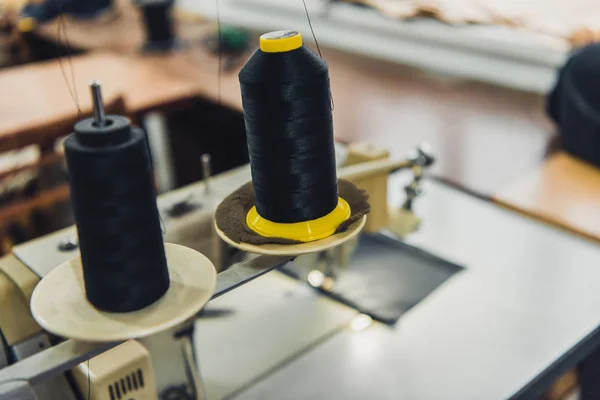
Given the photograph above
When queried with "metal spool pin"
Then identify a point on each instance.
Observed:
(98, 104)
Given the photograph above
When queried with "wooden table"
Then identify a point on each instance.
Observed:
(562, 191)
(36, 101)
(484, 136)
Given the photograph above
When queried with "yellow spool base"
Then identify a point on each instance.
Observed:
(308, 231)
(289, 250)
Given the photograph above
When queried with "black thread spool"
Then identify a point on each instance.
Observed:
(114, 202)
(289, 127)
(158, 23)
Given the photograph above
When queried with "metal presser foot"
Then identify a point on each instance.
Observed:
(404, 221)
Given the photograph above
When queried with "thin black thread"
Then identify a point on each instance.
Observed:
(311, 28)
(220, 51)
(317, 43)
(89, 381)
(62, 30)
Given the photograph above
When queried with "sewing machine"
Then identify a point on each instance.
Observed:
(163, 366)
(522, 312)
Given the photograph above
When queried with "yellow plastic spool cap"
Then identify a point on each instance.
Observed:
(280, 41)
(26, 24)
(308, 231)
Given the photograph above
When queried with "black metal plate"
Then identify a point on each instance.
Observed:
(385, 277)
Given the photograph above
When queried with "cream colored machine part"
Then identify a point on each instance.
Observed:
(376, 185)
(23, 336)
(16, 285)
(124, 372)
(22, 277)
(402, 222)
(67, 312)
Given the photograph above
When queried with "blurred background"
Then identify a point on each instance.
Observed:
(469, 76)
(507, 93)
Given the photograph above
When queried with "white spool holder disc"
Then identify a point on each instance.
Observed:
(301, 248)
(60, 306)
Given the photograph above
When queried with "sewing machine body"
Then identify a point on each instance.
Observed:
(477, 336)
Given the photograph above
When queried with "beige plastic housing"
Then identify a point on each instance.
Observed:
(122, 373)
(375, 184)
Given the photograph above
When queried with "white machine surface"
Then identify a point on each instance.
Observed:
(503, 56)
(522, 312)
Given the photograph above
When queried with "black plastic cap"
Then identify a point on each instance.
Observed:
(115, 130)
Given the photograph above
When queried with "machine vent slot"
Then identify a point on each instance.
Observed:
(116, 385)
(123, 389)
(135, 382)
(140, 377)
(111, 392)
(129, 383)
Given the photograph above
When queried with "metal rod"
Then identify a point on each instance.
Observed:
(52, 362)
(206, 172)
(98, 105)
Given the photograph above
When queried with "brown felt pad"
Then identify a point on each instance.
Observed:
(231, 213)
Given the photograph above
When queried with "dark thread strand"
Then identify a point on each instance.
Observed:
(114, 203)
(62, 31)
(289, 128)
